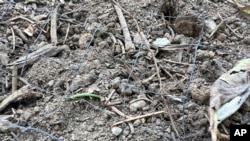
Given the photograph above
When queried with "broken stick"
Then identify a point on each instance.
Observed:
(129, 46)
(138, 117)
(53, 27)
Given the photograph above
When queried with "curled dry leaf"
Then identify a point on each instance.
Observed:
(29, 30)
(228, 93)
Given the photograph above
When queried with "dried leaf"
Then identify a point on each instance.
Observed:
(228, 93)
(231, 107)
(29, 30)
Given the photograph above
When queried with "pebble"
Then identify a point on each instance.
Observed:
(116, 131)
(210, 25)
(246, 41)
(137, 105)
(221, 37)
(202, 54)
(100, 122)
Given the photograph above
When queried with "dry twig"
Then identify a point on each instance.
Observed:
(15, 18)
(138, 117)
(53, 27)
(128, 41)
(14, 79)
(48, 50)
(21, 93)
(174, 62)
(14, 40)
(67, 33)
(119, 112)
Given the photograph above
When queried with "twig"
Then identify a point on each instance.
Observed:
(14, 39)
(53, 27)
(67, 33)
(110, 95)
(238, 36)
(217, 27)
(14, 79)
(20, 33)
(25, 81)
(131, 127)
(173, 136)
(47, 50)
(139, 99)
(15, 18)
(113, 44)
(22, 92)
(128, 41)
(168, 73)
(174, 62)
(172, 47)
(171, 119)
(122, 46)
(138, 117)
(148, 79)
(113, 103)
(73, 11)
(119, 112)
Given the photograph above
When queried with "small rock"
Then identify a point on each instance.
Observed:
(25, 116)
(84, 39)
(93, 88)
(202, 54)
(234, 39)
(37, 109)
(116, 82)
(246, 41)
(100, 122)
(128, 91)
(90, 128)
(74, 137)
(200, 94)
(158, 121)
(116, 131)
(210, 25)
(221, 37)
(137, 122)
(161, 42)
(137, 105)
(51, 83)
(125, 90)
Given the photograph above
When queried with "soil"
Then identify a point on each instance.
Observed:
(95, 62)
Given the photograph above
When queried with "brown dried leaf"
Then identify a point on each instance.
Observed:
(230, 85)
(227, 87)
(29, 30)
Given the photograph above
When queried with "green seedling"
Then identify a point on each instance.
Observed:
(81, 95)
